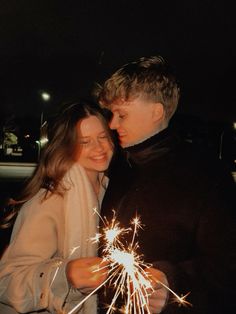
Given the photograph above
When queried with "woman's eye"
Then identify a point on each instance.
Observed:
(84, 142)
(103, 136)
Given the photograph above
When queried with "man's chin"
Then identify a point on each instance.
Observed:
(122, 143)
(126, 145)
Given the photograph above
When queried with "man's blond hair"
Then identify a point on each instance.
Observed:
(150, 78)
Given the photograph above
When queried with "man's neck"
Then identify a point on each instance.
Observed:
(158, 130)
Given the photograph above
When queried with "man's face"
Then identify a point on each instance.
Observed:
(133, 120)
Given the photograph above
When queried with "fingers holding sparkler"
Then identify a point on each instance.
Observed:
(159, 295)
(86, 274)
(158, 299)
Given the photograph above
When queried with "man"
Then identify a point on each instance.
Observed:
(184, 197)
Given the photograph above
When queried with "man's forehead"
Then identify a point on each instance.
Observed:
(121, 103)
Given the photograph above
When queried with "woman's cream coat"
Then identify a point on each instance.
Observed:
(46, 235)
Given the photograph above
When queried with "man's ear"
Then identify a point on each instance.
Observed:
(158, 112)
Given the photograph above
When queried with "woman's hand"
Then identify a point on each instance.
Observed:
(158, 299)
(87, 273)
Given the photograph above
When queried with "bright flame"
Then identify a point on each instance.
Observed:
(126, 271)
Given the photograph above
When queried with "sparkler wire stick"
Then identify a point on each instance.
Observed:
(89, 295)
(58, 264)
(55, 274)
(179, 299)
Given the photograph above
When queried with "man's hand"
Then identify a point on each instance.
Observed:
(159, 297)
(86, 274)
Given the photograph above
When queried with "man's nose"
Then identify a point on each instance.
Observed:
(114, 123)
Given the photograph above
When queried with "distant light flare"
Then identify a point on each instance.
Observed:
(45, 96)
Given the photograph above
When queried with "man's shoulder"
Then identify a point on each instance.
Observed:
(203, 161)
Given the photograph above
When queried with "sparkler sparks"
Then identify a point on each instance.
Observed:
(127, 275)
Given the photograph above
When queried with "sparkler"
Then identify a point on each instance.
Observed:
(127, 273)
(126, 267)
(58, 264)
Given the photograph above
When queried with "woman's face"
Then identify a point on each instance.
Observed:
(95, 148)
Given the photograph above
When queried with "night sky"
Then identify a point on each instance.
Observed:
(63, 47)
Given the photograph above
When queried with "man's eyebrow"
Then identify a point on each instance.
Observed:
(118, 109)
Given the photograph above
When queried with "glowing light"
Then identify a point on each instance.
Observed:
(43, 140)
(45, 96)
(127, 275)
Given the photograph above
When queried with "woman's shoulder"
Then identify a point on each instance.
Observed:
(43, 203)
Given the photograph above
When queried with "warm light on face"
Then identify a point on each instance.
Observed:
(135, 120)
(95, 149)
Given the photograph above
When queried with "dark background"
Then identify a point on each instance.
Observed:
(63, 47)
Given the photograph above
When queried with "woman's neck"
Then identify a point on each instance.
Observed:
(94, 180)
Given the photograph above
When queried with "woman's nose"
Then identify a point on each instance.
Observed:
(98, 145)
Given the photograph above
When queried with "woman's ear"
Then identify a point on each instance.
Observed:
(158, 112)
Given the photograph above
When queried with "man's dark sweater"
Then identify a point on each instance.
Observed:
(186, 201)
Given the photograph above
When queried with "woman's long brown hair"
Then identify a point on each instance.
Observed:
(58, 155)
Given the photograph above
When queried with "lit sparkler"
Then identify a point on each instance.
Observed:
(126, 267)
(127, 273)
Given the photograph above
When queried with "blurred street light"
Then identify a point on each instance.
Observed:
(45, 97)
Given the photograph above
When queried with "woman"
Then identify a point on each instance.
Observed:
(51, 264)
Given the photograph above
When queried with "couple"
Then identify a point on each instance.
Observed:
(185, 202)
